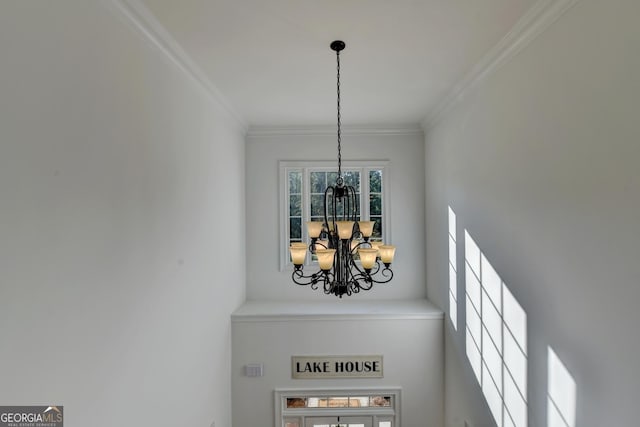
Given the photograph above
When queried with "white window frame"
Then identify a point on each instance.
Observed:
(389, 413)
(306, 167)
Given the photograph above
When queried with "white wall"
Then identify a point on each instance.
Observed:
(404, 150)
(121, 226)
(540, 163)
(411, 347)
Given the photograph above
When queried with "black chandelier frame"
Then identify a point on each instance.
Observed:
(345, 277)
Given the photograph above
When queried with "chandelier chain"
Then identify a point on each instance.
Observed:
(339, 123)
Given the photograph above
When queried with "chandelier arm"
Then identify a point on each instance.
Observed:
(356, 203)
(363, 281)
(312, 280)
(328, 282)
(342, 268)
(354, 249)
(387, 273)
(376, 268)
(358, 275)
(372, 276)
(329, 194)
(317, 243)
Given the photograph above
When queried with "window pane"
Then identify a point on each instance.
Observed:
(377, 227)
(352, 178)
(338, 402)
(375, 204)
(380, 401)
(357, 204)
(318, 181)
(296, 402)
(358, 402)
(295, 205)
(295, 227)
(317, 205)
(331, 178)
(295, 182)
(375, 181)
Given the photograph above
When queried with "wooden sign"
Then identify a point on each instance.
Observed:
(318, 367)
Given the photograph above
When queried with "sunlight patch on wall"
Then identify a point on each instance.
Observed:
(453, 271)
(561, 397)
(496, 339)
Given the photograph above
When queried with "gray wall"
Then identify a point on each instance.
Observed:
(410, 345)
(121, 226)
(540, 163)
(405, 152)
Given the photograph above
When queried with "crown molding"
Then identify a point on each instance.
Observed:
(137, 14)
(528, 28)
(269, 131)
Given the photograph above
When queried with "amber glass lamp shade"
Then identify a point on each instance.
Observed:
(345, 229)
(314, 228)
(366, 228)
(325, 258)
(387, 253)
(367, 257)
(298, 253)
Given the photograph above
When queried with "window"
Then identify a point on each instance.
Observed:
(339, 408)
(302, 198)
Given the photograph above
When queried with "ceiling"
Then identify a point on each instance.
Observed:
(272, 62)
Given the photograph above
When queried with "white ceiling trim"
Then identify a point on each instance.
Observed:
(334, 317)
(531, 25)
(149, 27)
(401, 129)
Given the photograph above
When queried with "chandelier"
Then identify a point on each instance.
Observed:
(340, 240)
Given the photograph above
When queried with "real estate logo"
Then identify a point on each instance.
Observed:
(31, 416)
